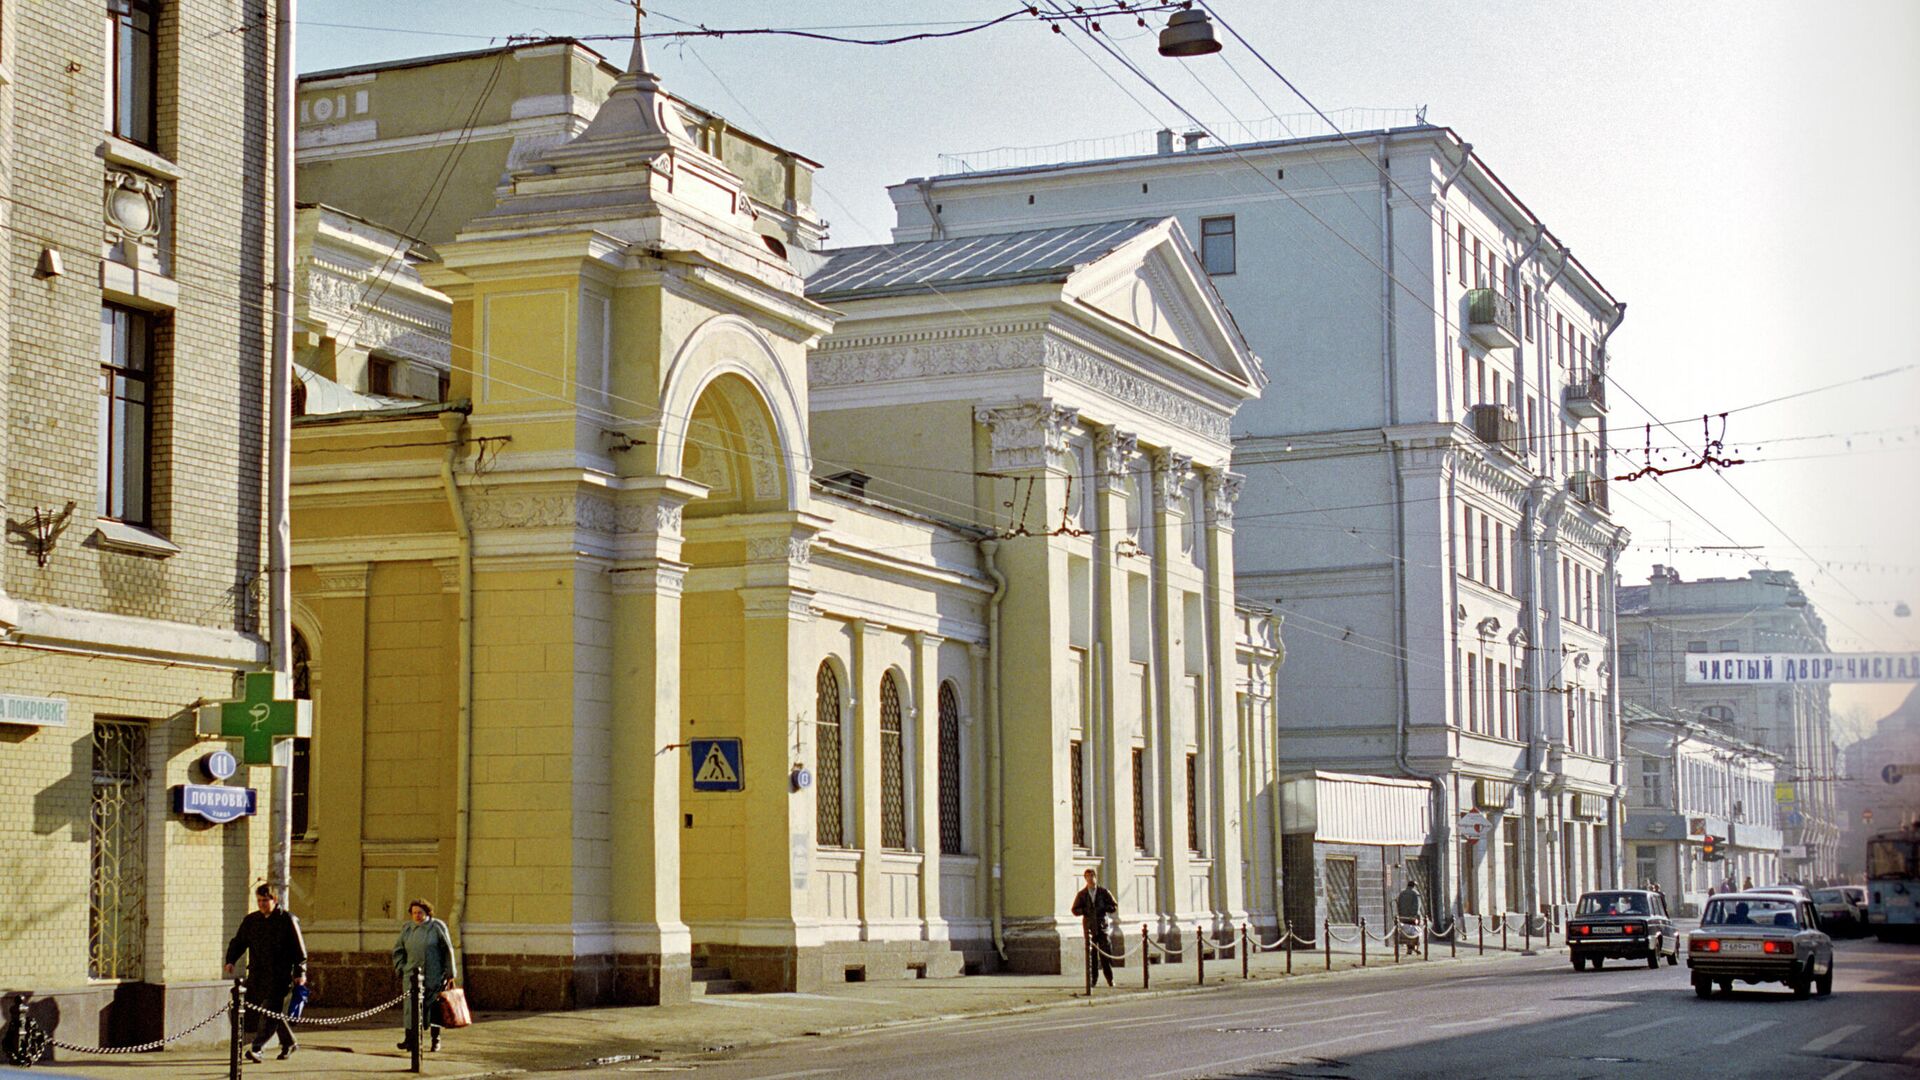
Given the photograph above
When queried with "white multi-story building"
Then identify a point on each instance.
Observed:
(1688, 782)
(1423, 498)
(1766, 611)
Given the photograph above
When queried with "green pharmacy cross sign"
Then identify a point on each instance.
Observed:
(260, 719)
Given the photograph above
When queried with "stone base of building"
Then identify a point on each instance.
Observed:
(125, 1014)
(515, 982)
(777, 968)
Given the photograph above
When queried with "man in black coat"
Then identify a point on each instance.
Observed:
(1097, 909)
(276, 963)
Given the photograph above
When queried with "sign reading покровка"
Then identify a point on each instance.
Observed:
(1751, 668)
(36, 711)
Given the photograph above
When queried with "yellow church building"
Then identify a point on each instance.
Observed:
(756, 610)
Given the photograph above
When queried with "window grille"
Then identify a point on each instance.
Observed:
(1193, 803)
(117, 894)
(302, 748)
(893, 780)
(950, 835)
(1077, 769)
(1343, 890)
(829, 822)
(1139, 799)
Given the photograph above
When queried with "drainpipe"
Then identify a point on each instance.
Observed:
(996, 887)
(1278, 832)
(455, 425)
(280, 425)
(1466, 155)
(1566, 260)
(1530, 603)
(1615, 842)
(935, 230)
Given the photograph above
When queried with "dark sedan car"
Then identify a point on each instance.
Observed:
(1760, 937)
(1621, 924)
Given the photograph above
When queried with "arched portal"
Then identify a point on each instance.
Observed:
(732, 447)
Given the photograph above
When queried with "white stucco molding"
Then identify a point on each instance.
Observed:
(731, 344)
(68, 629)
(1027, 434)
(1222, 492)
(1172, 471)
(1113, 454)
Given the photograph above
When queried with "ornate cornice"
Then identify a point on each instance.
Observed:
(344, 580)
(911, 358)
(1071, 361)
(792, 550)
(555, 510)
(1027, 435)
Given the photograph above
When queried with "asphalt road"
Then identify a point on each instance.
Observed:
(1527, 1017)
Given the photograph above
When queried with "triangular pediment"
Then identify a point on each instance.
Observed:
(1155, 286)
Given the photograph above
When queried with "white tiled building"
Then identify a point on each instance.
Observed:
(1423, 498)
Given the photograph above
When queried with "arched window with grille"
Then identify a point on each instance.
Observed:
(951, 840)
(829, 816)
(893, 772)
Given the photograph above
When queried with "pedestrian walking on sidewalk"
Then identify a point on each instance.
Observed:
(276, 963)
(1411, 912)
(1098, 910)
(424, 945)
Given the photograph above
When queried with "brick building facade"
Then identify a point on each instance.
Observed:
(135, 215)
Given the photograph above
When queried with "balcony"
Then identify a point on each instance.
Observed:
(1586, 397)
(1589, 489)
(1497, 426)
(1492, 320)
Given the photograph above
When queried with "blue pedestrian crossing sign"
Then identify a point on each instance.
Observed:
(716, 765)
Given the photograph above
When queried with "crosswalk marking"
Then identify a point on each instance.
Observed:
(1913, 1052)
(1737, 1034)
(1831, 1037)
(1648, 1026)
(1842, 1071)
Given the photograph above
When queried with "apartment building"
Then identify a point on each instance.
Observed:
(1424, 501)
(1690, 784)
(1766, 611)
(135, 207)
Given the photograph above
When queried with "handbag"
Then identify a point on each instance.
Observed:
(453, 1008)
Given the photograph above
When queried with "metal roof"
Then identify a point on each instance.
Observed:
(968, 262)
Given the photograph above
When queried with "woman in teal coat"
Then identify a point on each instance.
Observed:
(426, 946)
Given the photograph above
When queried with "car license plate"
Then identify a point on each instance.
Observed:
(1606, 930)
(1740, 947)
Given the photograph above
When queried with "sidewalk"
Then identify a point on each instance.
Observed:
(498, 1043)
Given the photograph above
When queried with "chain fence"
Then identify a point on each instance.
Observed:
(26, 1043)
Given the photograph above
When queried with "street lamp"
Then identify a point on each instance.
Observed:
(1188, 33)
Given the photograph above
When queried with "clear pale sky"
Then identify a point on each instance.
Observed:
(1742, 174)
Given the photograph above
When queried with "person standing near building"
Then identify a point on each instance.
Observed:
(1412, 914)
(276, 963)
(426, 946)
(1097, 909)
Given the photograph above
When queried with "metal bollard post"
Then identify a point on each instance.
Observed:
(1453, 940)
(1526, 935)
(1199, 955)
(1396, 940)
(1504, 926)
(1087, 937)
(1481, 922)
(417, 991)
(1146, 959)
(1286, 938)
(1326, 941)
(236, 1026)
(1363, 943)
(1246, 952)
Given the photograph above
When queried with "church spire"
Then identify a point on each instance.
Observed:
(637, 108)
